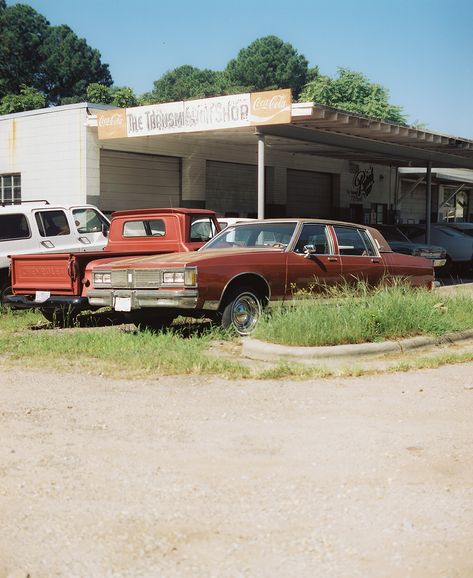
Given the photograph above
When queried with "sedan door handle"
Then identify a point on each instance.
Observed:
(375, 261)
(332, 259)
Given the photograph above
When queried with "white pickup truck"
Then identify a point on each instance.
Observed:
(38, 227)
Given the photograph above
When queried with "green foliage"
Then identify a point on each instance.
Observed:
(22, 33)
(353, 92)
(50, 59)
(359, 314)
(268, 63)
(118, 96)
(99, 93)
(69, 65)
(28, 99)
(123, 96)
(185, 82)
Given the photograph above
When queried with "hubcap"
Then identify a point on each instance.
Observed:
(245, 314)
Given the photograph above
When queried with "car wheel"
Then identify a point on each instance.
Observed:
(241, 310)
(151, 320)
(61, 316)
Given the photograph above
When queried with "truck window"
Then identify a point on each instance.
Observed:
(202, 229)
(14, 227)
(144, 228)
(52, 223)
(88, 221)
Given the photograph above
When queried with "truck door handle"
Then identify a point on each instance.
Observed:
(47, 244)
(84, 240)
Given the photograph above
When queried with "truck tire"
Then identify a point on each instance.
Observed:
(5, 287)
(151, 320)
(241, 310)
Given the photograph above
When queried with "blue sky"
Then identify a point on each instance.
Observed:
(420, 50)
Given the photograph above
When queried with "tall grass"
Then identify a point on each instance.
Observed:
(357, 314)
(111, 350)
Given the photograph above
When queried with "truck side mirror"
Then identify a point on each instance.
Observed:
(105, 229)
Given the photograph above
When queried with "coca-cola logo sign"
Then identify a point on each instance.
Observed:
(112, 120)
(275, 102)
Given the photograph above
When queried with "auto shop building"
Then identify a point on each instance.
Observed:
(240, 155)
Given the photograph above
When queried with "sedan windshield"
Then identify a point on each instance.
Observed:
(260, 235)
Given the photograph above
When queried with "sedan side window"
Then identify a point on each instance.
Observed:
(314, 234)
(352, 241)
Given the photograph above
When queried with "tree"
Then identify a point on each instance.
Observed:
(28, 99)
(69, 65)
(120, 96)
(186, 82)
(268, 63)
(353, 92)
(22, 33)
(51, 59)
(99, 93)
(123, 96)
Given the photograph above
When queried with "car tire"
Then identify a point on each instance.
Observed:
(241, 310)
(151, 320)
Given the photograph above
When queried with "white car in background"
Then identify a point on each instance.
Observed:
(38, 227)
(225, 222)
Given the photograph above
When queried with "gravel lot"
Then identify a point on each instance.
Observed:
(188, 477)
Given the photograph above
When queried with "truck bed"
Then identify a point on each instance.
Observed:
(58, 273)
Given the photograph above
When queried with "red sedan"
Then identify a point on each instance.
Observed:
(246, 267)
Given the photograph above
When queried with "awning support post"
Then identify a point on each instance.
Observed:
(428, 201)
(260, 175)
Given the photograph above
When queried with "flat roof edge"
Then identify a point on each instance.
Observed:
(55, 109)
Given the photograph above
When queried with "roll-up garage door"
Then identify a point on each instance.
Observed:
(309, 194)
(232, 188)
(136, 181)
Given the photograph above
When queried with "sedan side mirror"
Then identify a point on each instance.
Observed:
(309, 250)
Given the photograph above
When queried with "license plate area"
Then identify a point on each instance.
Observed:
(122, 303)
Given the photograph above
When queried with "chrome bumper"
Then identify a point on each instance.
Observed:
(142, 298)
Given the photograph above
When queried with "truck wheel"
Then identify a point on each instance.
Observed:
(151, 320)
(5, 290)
(61, 316)
(241, 310)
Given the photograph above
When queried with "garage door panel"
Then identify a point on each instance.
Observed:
(309, 194)
(132, 180)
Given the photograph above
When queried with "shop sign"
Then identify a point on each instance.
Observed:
(232, 111)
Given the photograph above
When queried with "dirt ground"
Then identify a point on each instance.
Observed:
(188, 477)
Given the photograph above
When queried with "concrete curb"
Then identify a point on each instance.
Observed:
(263, 351)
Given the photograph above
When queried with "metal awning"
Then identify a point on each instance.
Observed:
(442, 175)
(323, 131)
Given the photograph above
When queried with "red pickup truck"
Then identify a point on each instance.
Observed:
(55, 283)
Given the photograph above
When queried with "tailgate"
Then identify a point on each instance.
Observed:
(56, 272)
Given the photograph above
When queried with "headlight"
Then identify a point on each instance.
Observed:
(186, 277)
(103, 278)
(172, 277)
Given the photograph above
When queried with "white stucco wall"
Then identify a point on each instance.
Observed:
(49, 149)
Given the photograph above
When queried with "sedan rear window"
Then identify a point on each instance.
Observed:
(14, 227)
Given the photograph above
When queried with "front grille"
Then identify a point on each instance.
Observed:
(136, 278)
(119, 278)
(146, 278)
